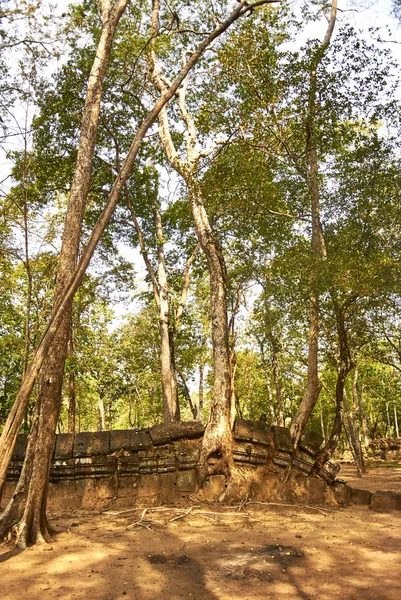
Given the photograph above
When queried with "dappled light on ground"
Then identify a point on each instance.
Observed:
(281, 552)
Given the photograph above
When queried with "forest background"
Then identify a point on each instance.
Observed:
(265, 105)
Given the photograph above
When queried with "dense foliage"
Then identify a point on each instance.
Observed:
(249, 96)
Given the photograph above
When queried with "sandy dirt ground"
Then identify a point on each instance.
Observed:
(377, 479)
(253, 552)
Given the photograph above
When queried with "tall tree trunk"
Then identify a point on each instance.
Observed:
(27, 531)
(353, 438)
(171, 407)
(235, 405)
(273, 415)
(318, 246)
(72, 403)
(277, 379)
(322, 428)
(201, 376)
(344, 367)
(217, 440)
(357, 394)
(192, 406)
(33, 524)
(388, 431)
(397, 431)
(168, 331)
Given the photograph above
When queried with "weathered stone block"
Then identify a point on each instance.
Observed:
(166, 464)
(62, 469)
(186, 453)
(361, 497)
(282, 439)
(303, 461)
(64, 446)
(342, 492)
(242, 452)
(83, 467)
(243, 430)
(386, 501)
(163, 450)
(160, 434)
(120, 440)
(311, 443)
(261, 433)
(190, 430)
(20, 447)
(140, 439)
(328, 471)
(187, 481)
(91, 443)
(281, 459)
(259, 455)
(128, 465)
(14, 470)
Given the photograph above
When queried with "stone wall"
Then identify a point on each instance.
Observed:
(158, 465)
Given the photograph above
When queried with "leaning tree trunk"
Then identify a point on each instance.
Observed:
(33, 524)
(11, 428)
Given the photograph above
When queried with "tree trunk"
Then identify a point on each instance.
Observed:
(33, 524)
(201, 375)
(72, 404)
(318, 246)
(102, 414)
(353, 438)
(273, 416)
(171, 407)
(397, 431)
(357, 393)
(192, 406)
(277, 379)
(216, 451)
(322, 429)
(345, 366)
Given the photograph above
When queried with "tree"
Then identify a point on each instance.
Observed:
(34, 524)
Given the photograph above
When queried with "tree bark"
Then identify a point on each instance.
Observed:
(216, 451)
(201, 376)
(217, 440)
(171, 407)
(33, 523)
(273, 416)
(10, 431)
(357, 393)
(344, 367)
(318, 245)
(277, 379)
(72, 404)
(353, 438)
(397, 431)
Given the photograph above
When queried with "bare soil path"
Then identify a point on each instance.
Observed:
(253, 552)
(385, 479)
